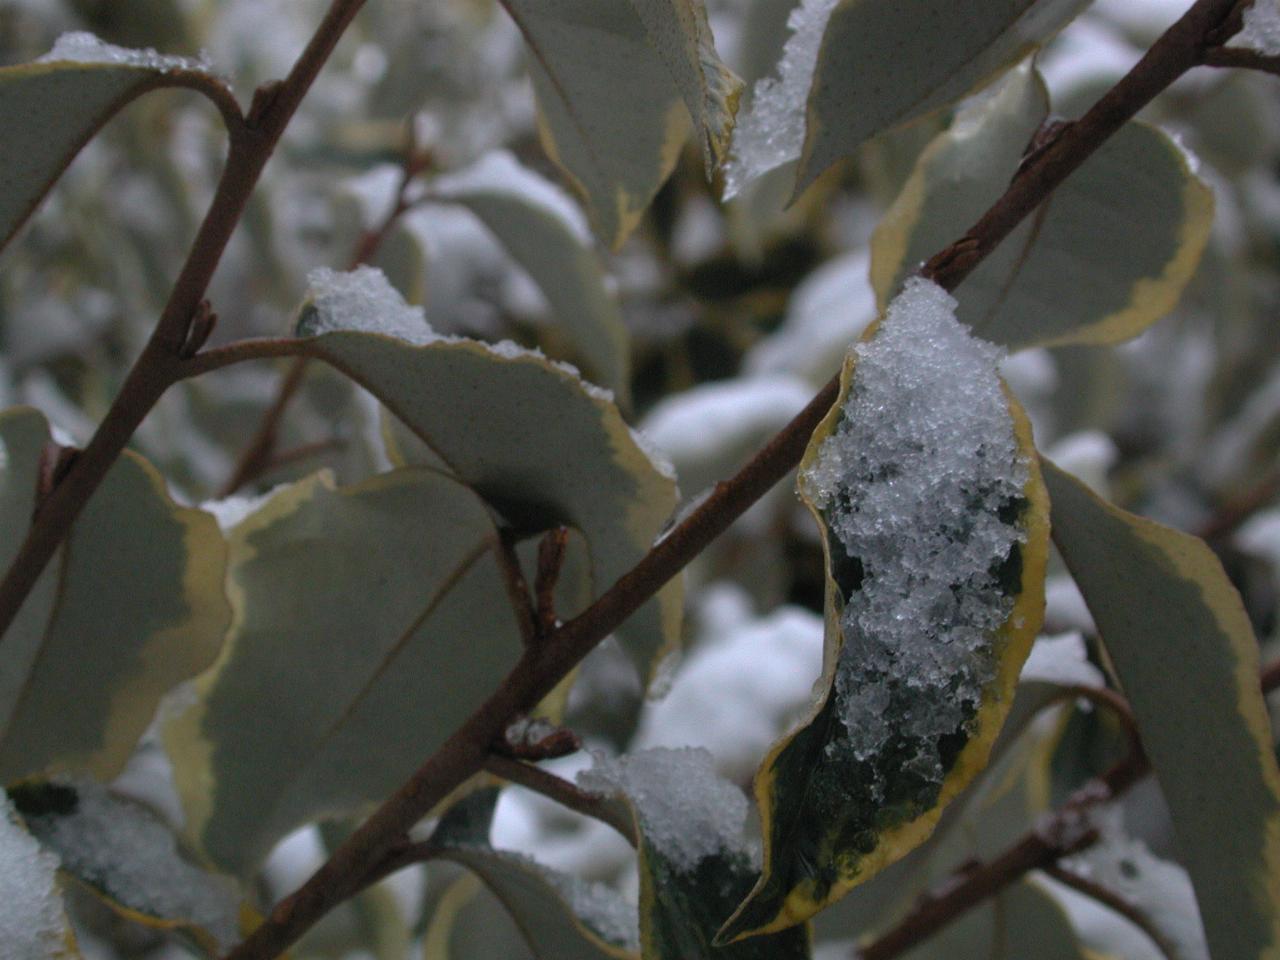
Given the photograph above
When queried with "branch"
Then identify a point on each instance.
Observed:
(1113, 901)
(159, 364)
(564, 793)
(539, 669)
(1241, 58)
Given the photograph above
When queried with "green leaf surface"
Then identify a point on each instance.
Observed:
(537, 444)
(50, 110)
(885, 62)
(33, 921)
(695, 865)
(543, 231)
(130, 859)
(1185, 654)
(561, 917)
(128, 609)
(680, 32)
(609, 113)
(370, 621)
(1105, 257)
(837, 807)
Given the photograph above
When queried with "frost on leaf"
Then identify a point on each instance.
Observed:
(83, 47)
(32, 923)
(128, 854)
(362, 300)
(919, 485)
(772, 131)
(934, 522)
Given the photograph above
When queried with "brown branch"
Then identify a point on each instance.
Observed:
(541, 668)
(1113, 901)
(256, 457)
(1241, 58)
(517, 587)
(566, 794)
(159, 364)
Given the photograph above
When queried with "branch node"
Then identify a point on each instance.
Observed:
(55, 463)
(551, 551)
(264, 98)
(534, 739)
(202, 325)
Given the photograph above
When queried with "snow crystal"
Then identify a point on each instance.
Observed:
(132, 854)
(600, 907)
(657, 456)
(500, 172)
(364, 300)
(772, 132)
(686, 810)
(915, 484)
(1062, 660)
(31, 917)
(83, 47)
(1261, 31)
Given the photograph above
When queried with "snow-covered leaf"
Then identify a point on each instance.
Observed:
(543, 230)
(1105, 257)
(130, 858)
(1185, 654)
(854, 68)
(97, 643)
(49, 110)
(695, 864)
(539, 444)
(935, 529)
(610, 113)
(33, 922)
(370, 613)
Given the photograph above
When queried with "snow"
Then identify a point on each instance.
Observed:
(912, 483)
(600, 906)
(1062, 660)
(772, 132)
(687, 812)
(230, 512)
(745, 682)
(1261, 31)
(1087, 454)
(31, 919)
(363, 300)
(828, 311)
(132, 854)
(83, 47)
(499, 172)
(1064, 606)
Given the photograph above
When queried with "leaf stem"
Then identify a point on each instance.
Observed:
(538, 671)
(159, 365)
(563, 792)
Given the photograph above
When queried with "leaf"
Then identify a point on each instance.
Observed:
(885, 62)
(541, 446)
(1184, 651)
(129, 608)
(373, 614)
(609, 114)
(50, 109)
(694, 864)
(544, 232)
(934, 521)
(33, 922)
(560, 916)
(1105, 257)
(129, 858)
(680, 32)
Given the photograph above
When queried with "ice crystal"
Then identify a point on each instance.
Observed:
(364, 300)
(687, 811)
(1261, 30)
(83, 47)
(31, 917)
(772, 132)
(917, 484)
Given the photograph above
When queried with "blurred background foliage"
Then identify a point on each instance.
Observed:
(736, 314)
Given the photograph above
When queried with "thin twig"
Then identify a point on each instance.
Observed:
(541, 668)
(517, 587)
(1113, 901)
(159, 364)
(563, 792)
(1241, 58)
(257, 454)
(551, 550)
(1236, 512)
